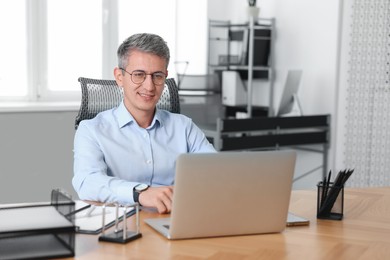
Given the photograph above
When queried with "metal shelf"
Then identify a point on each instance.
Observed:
(221, 35)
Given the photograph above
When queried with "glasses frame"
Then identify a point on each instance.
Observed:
(146, 74)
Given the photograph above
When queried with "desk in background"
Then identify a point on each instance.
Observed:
(265, 133)
(364, 233)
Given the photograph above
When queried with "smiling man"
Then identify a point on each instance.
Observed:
(128, 154)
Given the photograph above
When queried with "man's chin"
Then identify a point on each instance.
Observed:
(147, 106)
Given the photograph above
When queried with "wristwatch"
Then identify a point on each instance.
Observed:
(138, 189)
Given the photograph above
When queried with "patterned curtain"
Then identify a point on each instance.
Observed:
(366, 119)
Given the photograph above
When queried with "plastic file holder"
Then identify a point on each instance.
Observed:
(38, 231)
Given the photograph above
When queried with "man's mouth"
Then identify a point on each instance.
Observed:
(146, 95)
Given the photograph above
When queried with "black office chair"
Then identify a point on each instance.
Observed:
(99, 95)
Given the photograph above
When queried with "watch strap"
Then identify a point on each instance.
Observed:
(136, 196)
(137, 192)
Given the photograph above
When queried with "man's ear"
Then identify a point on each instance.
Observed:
(118, 76)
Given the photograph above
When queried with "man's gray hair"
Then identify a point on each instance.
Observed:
(145, 42)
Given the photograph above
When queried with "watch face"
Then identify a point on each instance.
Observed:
(141, 187)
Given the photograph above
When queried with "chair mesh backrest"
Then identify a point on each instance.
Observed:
(98, 95)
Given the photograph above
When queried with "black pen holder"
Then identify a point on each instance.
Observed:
(330, 201)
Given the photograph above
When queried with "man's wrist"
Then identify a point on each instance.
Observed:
(137, 191)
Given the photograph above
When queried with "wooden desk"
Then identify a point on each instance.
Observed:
(364, 233)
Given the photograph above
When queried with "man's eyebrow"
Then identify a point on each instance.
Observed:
(158, 71)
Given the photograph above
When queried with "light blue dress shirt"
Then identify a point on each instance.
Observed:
(112, 153)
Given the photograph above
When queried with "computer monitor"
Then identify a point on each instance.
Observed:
(290, 91)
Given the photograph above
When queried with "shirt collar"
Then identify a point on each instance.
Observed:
(124, 117)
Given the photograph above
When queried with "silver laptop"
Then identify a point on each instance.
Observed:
(229, 193)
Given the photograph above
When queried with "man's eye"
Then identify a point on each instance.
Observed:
(158, 76)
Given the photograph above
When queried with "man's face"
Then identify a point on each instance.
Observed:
(141, 97)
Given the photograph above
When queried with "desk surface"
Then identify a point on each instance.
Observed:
(364, 233)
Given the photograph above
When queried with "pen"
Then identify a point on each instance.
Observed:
(328, 183)
(89, 212)
(77, 210)
(325, 188)
(347, 175)
(323, 191)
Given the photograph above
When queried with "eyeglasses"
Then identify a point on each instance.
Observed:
(139, 76)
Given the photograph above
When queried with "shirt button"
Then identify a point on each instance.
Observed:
(149, 161)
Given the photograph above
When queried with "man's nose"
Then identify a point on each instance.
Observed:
(148, 83)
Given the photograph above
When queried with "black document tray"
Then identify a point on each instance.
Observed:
(37, 231)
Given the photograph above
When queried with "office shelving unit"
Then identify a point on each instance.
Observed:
(245, 48)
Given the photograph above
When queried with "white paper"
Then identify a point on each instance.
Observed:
(31, 218)
(90, 219)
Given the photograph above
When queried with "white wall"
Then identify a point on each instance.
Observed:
(36, 155)
(191, 39)
(306, 39)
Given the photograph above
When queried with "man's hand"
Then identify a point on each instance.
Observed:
(157, 197)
